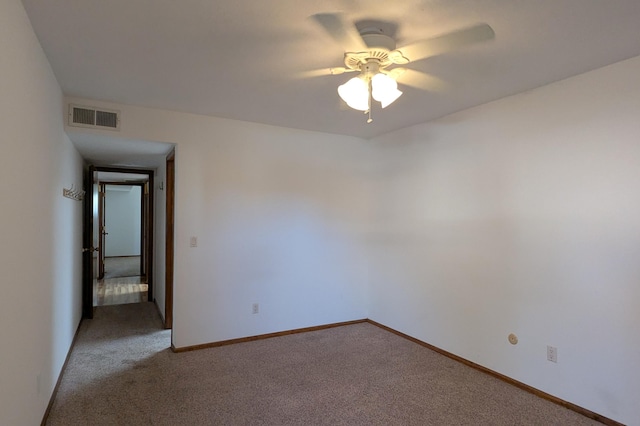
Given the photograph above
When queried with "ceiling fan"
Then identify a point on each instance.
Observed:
(373, 55)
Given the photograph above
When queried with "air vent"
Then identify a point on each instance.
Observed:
(84, 116)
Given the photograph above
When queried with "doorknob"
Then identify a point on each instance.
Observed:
(84, 249)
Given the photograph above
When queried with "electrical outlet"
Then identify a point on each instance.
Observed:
(552, 354)
(193, 241)
(255, 308)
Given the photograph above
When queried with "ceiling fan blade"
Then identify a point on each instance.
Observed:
(447, 42)
(341, 30)
(418, 79)
(323, 72)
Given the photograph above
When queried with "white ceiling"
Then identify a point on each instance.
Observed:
(119, 177)
(103, 150)
(242, 59)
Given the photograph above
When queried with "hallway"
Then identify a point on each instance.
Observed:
(120, 290)
(120, 285)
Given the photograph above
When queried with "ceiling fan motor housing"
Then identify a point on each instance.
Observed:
(378, 40)
(379, 46)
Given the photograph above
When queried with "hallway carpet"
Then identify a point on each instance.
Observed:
(121, 266)
(122, 372)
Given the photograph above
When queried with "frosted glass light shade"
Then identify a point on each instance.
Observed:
(384, 89)
(355, 93)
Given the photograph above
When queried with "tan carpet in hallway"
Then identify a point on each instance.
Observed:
(121, 266)
(122, 372)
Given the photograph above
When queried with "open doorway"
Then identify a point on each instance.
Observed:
(120, 215)
(122, 203)
(122, 227)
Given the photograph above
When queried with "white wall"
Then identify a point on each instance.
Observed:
(159, 241)
(40, 247)
(523, 215)
(280, 216)
(123, 220)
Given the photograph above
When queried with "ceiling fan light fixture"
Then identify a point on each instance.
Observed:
(371, 50)
(355, 93)
(384, 89)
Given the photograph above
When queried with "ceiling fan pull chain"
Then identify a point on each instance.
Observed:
(369, 120)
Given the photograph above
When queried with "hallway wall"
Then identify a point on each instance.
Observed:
(159, 240)
(41, 231)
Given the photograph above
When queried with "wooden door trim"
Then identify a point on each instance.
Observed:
(150, 228)
(143, 230)
(143, 219)
(149, 217)
(87, 237)
(102, 199)
(169, 238)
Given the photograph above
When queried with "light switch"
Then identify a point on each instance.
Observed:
(193, 242)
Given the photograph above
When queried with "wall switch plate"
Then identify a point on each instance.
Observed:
(552, 354)
(255, 308)
(193, 242)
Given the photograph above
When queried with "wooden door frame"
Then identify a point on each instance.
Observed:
(102, 200)
(87, 291)
(146, 217)
(143, 219)
(169, 238)
(87, 244)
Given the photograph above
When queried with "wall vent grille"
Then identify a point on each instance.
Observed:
(85, 116)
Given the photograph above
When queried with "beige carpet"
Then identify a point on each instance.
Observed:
(121, 266)
(121, 372)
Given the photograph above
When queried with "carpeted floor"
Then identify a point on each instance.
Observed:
(121, 372)
(121, 266)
